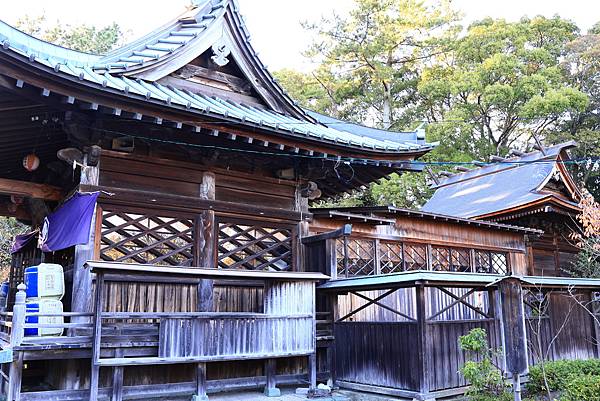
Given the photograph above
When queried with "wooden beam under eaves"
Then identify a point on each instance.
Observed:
(30, 189)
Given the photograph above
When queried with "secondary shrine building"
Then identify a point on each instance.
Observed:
(172, 250)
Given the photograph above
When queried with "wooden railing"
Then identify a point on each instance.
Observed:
(285, 328)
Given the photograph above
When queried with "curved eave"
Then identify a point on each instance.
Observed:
(548, 199)
(215, 21)
(11, 37)
(40, 76)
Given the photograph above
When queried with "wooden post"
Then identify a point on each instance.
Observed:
(331, 351)
(201, 386)
(272, 306)
(82, 277)
(422, 351)
(595, 315)
(377, 257)
(312, 359)
(117, 389)
(95, 368)
(331, 258)
(205, 243)
(16, 338)
(515, 337)
(271, 389)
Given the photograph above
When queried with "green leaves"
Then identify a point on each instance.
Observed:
(83, 37)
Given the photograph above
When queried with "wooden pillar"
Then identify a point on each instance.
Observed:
(331, 351)
(595, 314)
(117, 381)
(331, 258)
(312, 359)
(201, 386)
(423, 342)
(515, 337)
(377, 257)
(82, 277)
(16, 338)
(97, 333)
(271, 389)
(273, 305)
(205, 243)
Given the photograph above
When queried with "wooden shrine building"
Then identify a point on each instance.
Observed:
(405, 285)
(532, 190)
(171, 178)
(203, 168)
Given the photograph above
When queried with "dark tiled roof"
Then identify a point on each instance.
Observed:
(117, 71)
(496, 187)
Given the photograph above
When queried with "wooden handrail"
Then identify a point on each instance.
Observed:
(341, 232)
(140, 270)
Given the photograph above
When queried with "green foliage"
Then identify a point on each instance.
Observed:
(9, 227)
(405, 190)
(582, 388)
(559, 374)
(501, 84)
(487, 381)
(305, 89)
(587, 261)
(82, 37)
(370, 60)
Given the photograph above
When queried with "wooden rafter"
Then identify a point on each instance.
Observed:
(30, 189)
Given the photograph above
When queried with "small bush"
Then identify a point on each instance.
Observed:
(559, 374)
(487, 381)
(582, 388)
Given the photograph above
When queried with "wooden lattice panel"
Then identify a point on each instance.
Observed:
(490, 262)
(360, 258)
(440, 259)
(253, 247)
(390, 257)
(416, 256)
(147, 239)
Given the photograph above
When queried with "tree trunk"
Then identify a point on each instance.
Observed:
(387, 107)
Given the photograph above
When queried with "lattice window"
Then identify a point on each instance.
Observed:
(416, 256)
(360, 257)
(440, 259)
(147, 239)
(499, 264)
(252, 247)
(491, 262)
(450, 259)
(460, 260)
(390, 257)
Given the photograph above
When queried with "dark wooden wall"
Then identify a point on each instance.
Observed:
(562, 330)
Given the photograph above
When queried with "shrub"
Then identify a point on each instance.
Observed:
(487, 381)
(582, 388)
(559, 374)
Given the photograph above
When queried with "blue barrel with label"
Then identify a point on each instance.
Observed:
(45, 281)
(49, 306)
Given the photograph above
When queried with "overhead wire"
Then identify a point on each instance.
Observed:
(359, 161)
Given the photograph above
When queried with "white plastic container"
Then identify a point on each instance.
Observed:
(51, 306)
(45, 281)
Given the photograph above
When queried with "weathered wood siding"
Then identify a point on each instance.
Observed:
(565, 331)
(447, 357)
(403, 300)
(172, 177)
(235, 337)
(377, 353)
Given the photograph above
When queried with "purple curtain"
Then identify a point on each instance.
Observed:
(22, 240)
(70, 224)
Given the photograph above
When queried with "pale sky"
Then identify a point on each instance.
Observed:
(274, 24)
